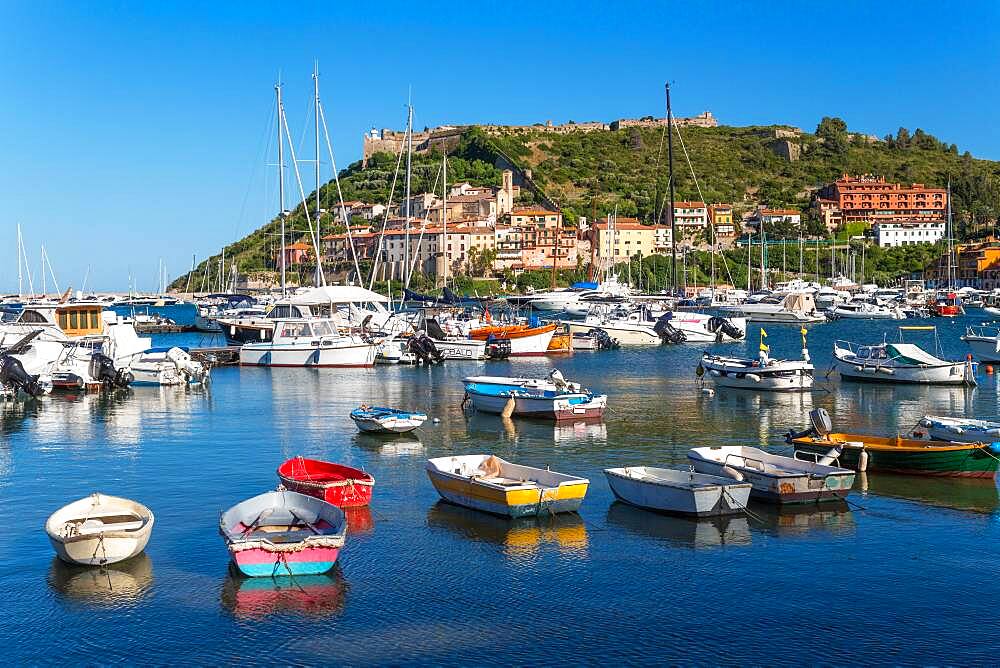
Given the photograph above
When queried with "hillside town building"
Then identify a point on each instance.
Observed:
(868, 199)
(907, 233)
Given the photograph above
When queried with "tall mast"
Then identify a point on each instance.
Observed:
(409, 158)
(20, 275)
(950, 247)
(45, 288)
(444, 214)
(316, 114)
(670, 163)
(281, 183)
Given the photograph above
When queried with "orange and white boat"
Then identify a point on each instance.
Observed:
(524, 339)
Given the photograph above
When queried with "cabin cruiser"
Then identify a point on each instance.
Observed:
(984, 341)
(310, 342)
(827, 297)
(797, 307)
(900, 362)
(213, 307)
(558, 300)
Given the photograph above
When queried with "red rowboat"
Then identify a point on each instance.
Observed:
(343, 486)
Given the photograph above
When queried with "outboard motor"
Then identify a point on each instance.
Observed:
(557, 379)
(13, 375)
(603, 339)
(722, 326)
(102, 369)
(497, 349)
(821, 426)
(424, 349)
(668, 332)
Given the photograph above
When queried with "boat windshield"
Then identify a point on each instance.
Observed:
(323, 328)
(294, 329)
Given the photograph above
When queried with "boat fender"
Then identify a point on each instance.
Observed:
(754, 377)
(857, 368)
(730, 472)
(995, 447)
(831, 455)
(863, 461)
(508, 408)
(924, 422)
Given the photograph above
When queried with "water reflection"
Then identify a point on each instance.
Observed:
(402, 445)
(114, 586)
(359, 521)
(681, 531)
(903, 405)
(521, 537)
(834, 517)
(582, 432)
(307, 595)
(976, 494)
(774, 412)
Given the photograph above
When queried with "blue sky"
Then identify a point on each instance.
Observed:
(131, 132)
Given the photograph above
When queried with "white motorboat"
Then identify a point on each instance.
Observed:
(900, 362)
(984, 341)
(379, 420)
(640, 327)
(775, 478)
(678, 491)
(167, 366)
(865, 310)
(762, 373)
(797, 307)
(963, 430)
(305, 342)
(551, 398)
(99, 529)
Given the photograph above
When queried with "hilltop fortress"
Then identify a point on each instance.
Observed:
(391, 141)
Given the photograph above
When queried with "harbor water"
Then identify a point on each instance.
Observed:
(901, 575)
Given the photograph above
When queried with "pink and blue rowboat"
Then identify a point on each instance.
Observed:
(283, 533)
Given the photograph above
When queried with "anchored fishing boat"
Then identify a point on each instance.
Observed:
(551, 397)
(984, 341)
(524, 339)
(775, 478)
(900, 362)
(862, 452)
(378, 420)
(963, 430)
(493, 485)
(283, 533)
(678, 491)
(762, 373)
(343, 486)
(99, 529)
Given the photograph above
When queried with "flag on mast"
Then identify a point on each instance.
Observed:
(763, 346)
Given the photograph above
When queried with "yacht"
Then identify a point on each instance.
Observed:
(310, 342)
(866, 310)
(644, 327)
(797, 307)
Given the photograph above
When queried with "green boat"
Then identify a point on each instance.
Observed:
(903, 455)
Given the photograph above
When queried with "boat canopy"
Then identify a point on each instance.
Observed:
(338, 294)
(585, 285)
(911, 354)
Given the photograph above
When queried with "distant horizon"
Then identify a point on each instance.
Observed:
(140, 133)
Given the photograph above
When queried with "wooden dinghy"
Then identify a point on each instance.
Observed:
(493, 485)
(894, 454)
(283, 533)
(99, 529)
(380, 420)
(681, 492)
(774, 478)
(343, 486)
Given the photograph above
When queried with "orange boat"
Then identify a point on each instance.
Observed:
(524, 339)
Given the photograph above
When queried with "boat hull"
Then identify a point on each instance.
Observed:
(949, 461)
(260, 562)
(985, 348)
(540, 407)
(703, 501)
(354, 355)
(782, 376)
(946, 374)
(784, 489)
(626, 336)
(508, 503)
(352, 487)
(373, 426)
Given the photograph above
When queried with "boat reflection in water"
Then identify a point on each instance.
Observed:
(791, 519)
(307, 595)
(388, 445)
(117, 585)
(876, 405)
(772, 411)
(521, 537)
(583, 431)
(359, 520)
(680, 531)
(972, 494)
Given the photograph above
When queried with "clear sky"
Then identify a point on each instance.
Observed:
(132, 131)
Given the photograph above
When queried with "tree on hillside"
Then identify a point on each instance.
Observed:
(833, 132)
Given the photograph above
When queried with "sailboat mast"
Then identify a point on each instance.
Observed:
(316, 114)
(409, 159)
(670, 171)
(950, 246)
(20, 275)
(444, 215)
(281, 184)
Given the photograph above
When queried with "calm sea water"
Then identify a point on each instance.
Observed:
(904, 575)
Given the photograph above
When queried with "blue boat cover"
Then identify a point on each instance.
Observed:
(585, 285)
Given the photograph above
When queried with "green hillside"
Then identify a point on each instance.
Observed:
(593, 173)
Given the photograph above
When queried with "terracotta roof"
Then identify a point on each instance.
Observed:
(689, 205)
(298, 245)
(535, 212)
(780, 212)
(624, 226)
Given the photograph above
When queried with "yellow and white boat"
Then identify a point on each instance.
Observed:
(493, 485)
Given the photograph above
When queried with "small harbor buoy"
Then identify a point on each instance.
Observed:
(989, 368)
(708, 391)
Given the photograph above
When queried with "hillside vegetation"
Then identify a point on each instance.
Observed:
(595, 173)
